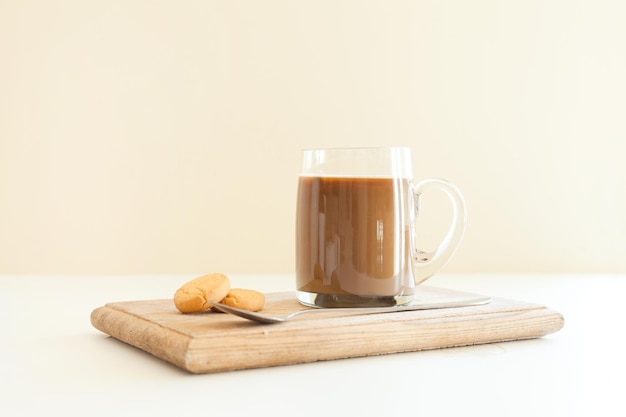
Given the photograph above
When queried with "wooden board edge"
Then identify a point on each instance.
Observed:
(161, 342)
(261, 351)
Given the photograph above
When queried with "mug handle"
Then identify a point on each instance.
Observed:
(428, 264)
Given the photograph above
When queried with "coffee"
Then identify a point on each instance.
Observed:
(354, 237)
(356, 215)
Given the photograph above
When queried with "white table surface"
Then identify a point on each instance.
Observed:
(53, 360)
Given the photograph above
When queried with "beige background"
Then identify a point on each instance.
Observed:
(164, 136)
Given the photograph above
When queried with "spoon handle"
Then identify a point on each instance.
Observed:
(411, 307)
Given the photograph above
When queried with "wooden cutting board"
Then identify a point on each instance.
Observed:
(216, 342)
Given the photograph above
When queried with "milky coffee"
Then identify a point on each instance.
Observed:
(353, 239)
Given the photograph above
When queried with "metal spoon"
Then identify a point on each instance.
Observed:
(267, 319)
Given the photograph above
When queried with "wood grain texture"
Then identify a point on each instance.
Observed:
(215, 342)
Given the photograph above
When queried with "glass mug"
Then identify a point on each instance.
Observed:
(355, 228)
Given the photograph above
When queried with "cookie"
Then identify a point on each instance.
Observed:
(193, 296)
(244, 299)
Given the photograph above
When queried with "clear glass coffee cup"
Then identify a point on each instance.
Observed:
(355, 228)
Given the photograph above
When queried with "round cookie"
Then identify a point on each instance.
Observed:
(244, 299)
(193, 296)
